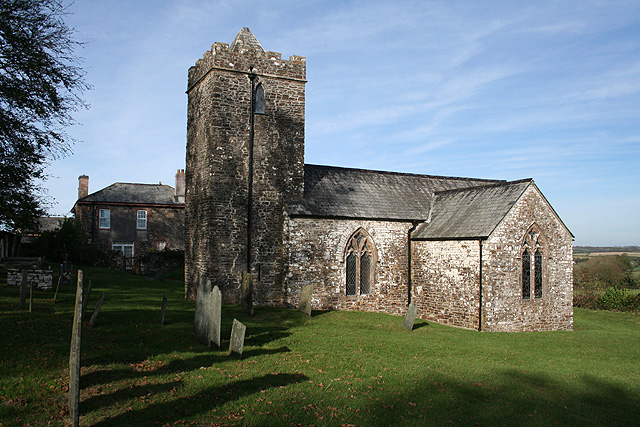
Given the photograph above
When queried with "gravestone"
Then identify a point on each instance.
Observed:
(305, 299)
(164, 309)
(202, 317)
(247, 293)
(94, 316)
(410, 317)
(215, 319)
(236, 344)
(74, 356)
(85, 300)
(23, 288)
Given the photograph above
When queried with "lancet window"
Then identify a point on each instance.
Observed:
(532, 264)
(360, 258)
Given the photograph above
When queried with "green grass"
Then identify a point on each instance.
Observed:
(335, 368)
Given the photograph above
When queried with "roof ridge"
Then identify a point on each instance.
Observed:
(407, 174)
(477, 187)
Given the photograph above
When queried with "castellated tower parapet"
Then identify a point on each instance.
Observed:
(217, 172)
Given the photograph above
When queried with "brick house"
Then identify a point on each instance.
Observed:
(133, 218)
(474, 253)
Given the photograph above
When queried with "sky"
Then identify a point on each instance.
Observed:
(485, 89)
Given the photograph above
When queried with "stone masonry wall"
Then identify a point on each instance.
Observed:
(43, 279)
(217, 168)
(504, 308)
(446, 281)
(316, 250)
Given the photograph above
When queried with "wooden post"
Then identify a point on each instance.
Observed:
(74, 357)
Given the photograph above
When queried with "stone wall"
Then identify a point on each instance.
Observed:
(446, 281)
(43, 279)
(504, 309)
(218, 135)
(316, 249)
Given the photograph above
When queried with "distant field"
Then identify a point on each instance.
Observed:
(611, 253)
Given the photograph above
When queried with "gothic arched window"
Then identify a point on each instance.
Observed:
(360, 259)
(532, 263)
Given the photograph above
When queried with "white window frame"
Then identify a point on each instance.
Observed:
(141, 219)
(104, 219)
(122, 248)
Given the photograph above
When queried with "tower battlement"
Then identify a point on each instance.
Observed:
(243, 54)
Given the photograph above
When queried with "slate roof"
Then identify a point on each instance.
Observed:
(356, 193)
(139, 194)
(471, 212)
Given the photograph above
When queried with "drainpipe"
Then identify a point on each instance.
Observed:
(480, 304)
(411, 230)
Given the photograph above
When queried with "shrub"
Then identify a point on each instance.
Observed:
(614, 298)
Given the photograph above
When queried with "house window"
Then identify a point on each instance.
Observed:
(359, 263)
(104, 219)
(142, 220)
(126, 249)
(532, 264)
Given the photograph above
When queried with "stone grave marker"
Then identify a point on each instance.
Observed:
(247, 293)
(164, 309)
(74, 356)
(410, 317)
(23, 288)
(85, 300)
(202, 317)
(96, 311)
(215, 320)
(305, 299)
(236, 345)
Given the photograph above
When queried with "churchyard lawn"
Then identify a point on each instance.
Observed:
(334, 368)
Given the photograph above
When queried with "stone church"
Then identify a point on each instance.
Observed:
(474, 253)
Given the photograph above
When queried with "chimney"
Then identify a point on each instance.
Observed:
(83, 186)
(180, 186)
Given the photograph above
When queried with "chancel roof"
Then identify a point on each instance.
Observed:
(470, 212)
(356, 193)
(127, 193)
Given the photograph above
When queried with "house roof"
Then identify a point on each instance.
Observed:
(139, 194)
(356, 193)
(470, 212)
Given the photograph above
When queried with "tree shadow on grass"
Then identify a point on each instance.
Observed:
(167, 412)
(513, 398)
(97, 377)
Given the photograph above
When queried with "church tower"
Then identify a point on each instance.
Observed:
(231, 228)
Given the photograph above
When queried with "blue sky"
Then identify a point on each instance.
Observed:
(500, 89)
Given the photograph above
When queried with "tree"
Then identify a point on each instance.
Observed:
(40, 87)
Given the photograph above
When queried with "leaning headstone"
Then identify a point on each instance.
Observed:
(164, 309)
(410, 317)
(96, 311)
(201, 321)
(236, 345)
(23, 287)
(247, 293)
(305, 299)
(74, 357)
(85, 300)
(215, 319)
